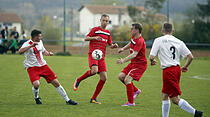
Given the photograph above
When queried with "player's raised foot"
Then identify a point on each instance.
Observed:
(129, 104)
(94, 101)
(198, 113)
(136, 94)
(38, 101)
(76, 85)
(71, 102)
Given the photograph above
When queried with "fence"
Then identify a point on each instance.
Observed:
(81, 47)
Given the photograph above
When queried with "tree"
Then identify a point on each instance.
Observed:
(151, 23)
(135, 14)
(196, 27)
(202, 22)
(154, 6)
(50, 31)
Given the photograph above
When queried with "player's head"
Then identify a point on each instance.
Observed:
(136, 29)
(36, 35)
(167, 28)
(104, 20)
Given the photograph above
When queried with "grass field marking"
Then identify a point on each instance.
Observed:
(200, 77)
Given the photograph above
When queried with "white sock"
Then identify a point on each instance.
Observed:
(186, 106)
(165, 108)
(62, 92)
(36, 92)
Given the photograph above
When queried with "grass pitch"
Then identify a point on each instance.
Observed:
(16, 97)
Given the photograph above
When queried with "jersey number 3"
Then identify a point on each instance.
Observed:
(172, 48)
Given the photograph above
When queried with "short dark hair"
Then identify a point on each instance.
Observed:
(138, 26)
(104, 15)
(35, 33)
(167, 27)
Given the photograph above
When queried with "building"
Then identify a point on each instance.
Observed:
(90, 16)
(11, 20)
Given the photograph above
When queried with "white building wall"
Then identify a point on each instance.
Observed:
(89, 20)
(86, 21)
(18, 27)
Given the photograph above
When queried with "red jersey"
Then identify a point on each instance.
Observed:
(99, 44)
(139, 46)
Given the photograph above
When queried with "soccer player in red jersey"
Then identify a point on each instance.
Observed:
(99, 37)
(36, 66)
(138, 65)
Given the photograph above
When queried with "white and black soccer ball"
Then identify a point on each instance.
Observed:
(97, 54)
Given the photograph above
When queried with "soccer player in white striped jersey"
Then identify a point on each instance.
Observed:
(169, 50)
(36, 66)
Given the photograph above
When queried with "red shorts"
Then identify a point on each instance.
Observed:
(135, 71)
(44, 71)
(171, 77)
(100, 63)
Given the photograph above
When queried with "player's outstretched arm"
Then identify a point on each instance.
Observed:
(115, 45)
(124, 48)
(128, 58)
(92, 38)
(189, 60)
(46, 53)
(152, 60)
(22, 50)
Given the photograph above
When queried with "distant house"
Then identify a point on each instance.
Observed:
(90, 16)
(11, 20)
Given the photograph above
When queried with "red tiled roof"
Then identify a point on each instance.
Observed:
(108, 9)
(10, 17)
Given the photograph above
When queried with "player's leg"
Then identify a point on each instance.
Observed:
(50, 77)
(35, 90)
(165, 105)
(128, 82)
(93, 71)
(62, 92)
(121, 77)
(184, 105)
(93, 64)
(34, 77)
(103, 77)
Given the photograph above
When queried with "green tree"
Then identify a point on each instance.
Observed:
(196, 27)
(154, 6)
(51, 33)
(134, 14)
(151, 23)
(202, 23)
(121, 34)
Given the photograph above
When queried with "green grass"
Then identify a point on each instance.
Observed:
(16, 98)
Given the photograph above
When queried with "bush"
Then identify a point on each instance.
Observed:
(63, 54)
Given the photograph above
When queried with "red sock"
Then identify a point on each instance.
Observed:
(130, 92)
(98, 89)
(84, 76)
(134, 88)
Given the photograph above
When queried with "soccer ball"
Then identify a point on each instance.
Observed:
(97, 54)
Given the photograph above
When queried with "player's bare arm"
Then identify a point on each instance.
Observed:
(92, 38)
(22, 50)
(152, 60)
(46, 53)
(115, 45)
(124, 48)
(189, 60)
(128, 58)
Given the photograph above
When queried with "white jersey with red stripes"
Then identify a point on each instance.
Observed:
(34, 56)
